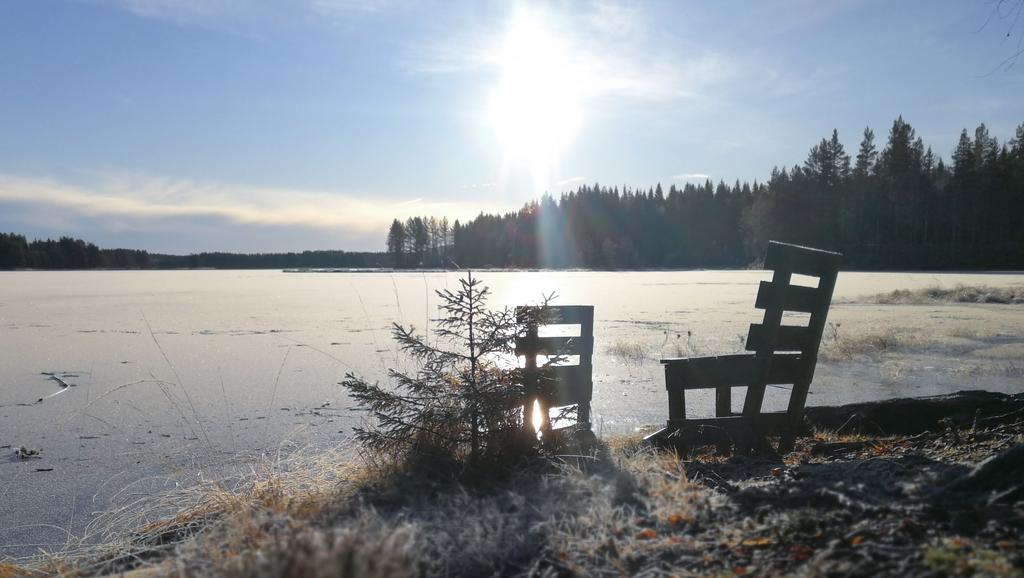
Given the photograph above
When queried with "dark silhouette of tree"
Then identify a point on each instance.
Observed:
(900, 207)
(459, 403)
(396, 243)
(65, 253)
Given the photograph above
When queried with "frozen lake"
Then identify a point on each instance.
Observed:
(180, 375)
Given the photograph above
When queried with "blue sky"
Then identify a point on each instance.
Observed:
(187, 125)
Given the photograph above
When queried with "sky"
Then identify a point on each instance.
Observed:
(271, 125)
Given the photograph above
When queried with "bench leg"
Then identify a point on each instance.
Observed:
(723, 408)
(723, 401)
(797, 401)
(583, 415)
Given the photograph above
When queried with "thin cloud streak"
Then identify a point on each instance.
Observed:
(146, 199)
(611, 54)
(691, 177)
(571, 181)
(222, 12)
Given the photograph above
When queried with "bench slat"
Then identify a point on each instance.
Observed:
(793, 297)
(729, 370)
(789, 338)
(565, 314)
(801, 260)
(559, 345)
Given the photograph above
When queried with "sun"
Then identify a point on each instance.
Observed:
(534, 108)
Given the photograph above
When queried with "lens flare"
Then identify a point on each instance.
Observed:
(538, 417)
(535, 107)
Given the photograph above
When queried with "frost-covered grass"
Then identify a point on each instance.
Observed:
(629, 352)
(958, 294)
(328, 516)
(621, 510)
(839, 345)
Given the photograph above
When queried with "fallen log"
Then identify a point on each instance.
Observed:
(999, 478)
(910, 416)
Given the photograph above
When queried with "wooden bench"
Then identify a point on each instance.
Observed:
(557, 383)
(783, 354)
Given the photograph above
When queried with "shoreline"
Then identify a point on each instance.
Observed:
(249, 328)
(876, 504)
(512, 270)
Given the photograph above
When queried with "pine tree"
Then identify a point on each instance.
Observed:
(866, 155)
(460, 402)
(396, 243)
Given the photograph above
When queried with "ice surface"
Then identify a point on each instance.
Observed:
(181, 374)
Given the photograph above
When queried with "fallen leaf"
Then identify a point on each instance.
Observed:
(646, 534)
(675, 520)
(758, 542)
(776, 472)
(1004, 545)
(801, 552)
(857, 540)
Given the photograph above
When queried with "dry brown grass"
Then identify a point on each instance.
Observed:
(337, 516)
(958, 294)
(623, 510)
(16, 571)
(629, 352)
(837, 345)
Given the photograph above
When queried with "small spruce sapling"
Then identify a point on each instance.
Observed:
(460, 401)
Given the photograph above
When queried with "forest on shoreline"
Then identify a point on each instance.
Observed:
(901, 207)
(16, 252)
(898, 208)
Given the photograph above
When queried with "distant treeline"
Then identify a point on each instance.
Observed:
(310, 259)
(67, 253)
(900, 207)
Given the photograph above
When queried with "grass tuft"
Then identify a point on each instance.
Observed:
(843, 346)
(629, 352)
(958, 294)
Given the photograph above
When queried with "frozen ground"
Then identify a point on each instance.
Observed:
(181, 375)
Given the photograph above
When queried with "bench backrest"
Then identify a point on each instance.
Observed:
(566, 383)
(780, 295)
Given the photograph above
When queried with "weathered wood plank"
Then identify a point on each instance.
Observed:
(559, 345)
(787, 338)
(563, 314)
(728, 370)
(800, 260)
(792, 297)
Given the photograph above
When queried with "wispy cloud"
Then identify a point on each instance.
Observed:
(615, 19)
(691, 177)
(612, 52)
(571, 181)
(186, 11)
(142, 199)
(349, 6)
(226, 12)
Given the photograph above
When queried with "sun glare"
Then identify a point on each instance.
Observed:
(535, 107)
(538, 417)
